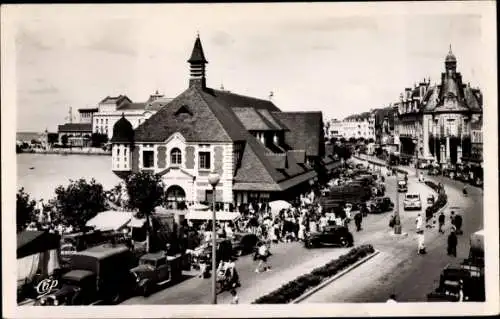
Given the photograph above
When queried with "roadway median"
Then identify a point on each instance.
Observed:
(300, 288)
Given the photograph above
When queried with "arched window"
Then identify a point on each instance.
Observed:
(176, 157)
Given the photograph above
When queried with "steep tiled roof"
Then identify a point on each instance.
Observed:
(252, 120)
(236, 100)
(306, 130)
(206, 123)
(274, 121)
(158, 103)
(471, 100)
(75, 127)
(298, 155)
(214, 119)
(432, 98)
(278, 160)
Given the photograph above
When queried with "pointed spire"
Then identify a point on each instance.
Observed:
(450, 52)
(123, 114)
(197, 56)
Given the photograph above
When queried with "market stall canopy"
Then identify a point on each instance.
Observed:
(207, 215)
(33, 242)
(199, 207)
(279, 205)
(110, 220)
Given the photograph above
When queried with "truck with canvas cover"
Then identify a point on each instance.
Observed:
(339, 195)
(99, 274)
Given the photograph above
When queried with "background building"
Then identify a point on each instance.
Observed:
(111, 109)
(354, 126)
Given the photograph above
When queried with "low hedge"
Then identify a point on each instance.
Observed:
(297, 287)
(441, 200)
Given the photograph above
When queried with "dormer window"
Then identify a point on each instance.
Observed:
(176, 157)
(184, 110)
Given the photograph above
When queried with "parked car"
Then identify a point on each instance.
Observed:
(381, 205)
(100, 274)
(244, 243)
(330, 236)
(412, 201)
(156, 269)
(67, 250)
(204, 251)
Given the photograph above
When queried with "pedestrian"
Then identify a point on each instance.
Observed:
(419, 221)
(358, 218)
(262, 255)
(458, 224)
(441, 219)
(421, 243)
(452, 244)
(234, 299)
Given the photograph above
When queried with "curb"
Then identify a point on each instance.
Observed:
(335, 277)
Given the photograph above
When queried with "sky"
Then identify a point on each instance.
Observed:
(332, 57)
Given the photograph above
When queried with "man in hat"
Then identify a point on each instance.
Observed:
(452, 244)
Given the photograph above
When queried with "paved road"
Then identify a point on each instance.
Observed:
(288, 261)
(398, 269)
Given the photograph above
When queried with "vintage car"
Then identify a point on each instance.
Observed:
(244, 243)
(156, 269)
(402, 186)
(381, 205)
(67, 250)
(204, 252)
(100, 274)
(330, 236)
(412, 201)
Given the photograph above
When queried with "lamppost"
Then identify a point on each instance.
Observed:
(213, 179)
(397, 219)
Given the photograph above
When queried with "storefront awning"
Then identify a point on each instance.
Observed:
(110, 220)
(207, 215)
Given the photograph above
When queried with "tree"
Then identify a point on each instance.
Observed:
(145, 191)
(52, 138)
(352, 140)
(25, 209)
(80, 201)
(64, 140)
(333, 140)
(371, 140)
(98, 139)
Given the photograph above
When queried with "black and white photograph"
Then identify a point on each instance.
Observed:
(214, 160)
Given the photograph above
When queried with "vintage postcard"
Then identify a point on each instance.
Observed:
(249, 160)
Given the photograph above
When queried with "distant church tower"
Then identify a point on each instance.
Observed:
(197, 66)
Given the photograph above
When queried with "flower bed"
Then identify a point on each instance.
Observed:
(297, 287)
(439, 203)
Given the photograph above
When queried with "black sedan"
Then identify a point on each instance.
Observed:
(381, 205)
(330, 236)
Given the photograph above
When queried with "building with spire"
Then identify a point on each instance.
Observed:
(434, 121)
(260, 152)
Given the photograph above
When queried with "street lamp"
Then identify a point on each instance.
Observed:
(397, 219)
(213, 179)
